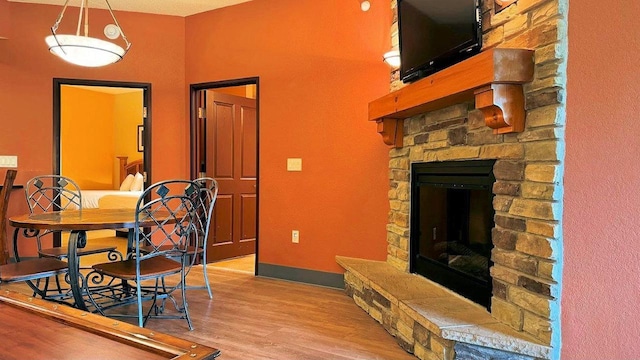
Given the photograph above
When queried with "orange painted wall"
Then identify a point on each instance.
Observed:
(319, 64)
(86, 130)
(601, 281)
(27, 70)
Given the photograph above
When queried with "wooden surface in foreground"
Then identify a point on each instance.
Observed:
(38, 329)
(257, 318)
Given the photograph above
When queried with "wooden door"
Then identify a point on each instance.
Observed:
(231, 159)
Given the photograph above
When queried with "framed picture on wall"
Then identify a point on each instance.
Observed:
(140, 138)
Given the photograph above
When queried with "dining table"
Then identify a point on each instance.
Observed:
(78, 222)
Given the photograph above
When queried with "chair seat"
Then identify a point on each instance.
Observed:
(126, 269)
(32, 269)
(61, 252)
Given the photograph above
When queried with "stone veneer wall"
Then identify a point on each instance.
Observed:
(528, 191)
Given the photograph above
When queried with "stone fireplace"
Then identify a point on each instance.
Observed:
(526, 256)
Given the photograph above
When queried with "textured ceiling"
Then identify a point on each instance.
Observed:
(166, 7)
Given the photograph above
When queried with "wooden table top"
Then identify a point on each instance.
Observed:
(86, 219)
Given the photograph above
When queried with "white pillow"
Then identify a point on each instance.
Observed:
(138, 182)
(126, 183)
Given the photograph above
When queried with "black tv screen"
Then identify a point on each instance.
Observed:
(435, 34)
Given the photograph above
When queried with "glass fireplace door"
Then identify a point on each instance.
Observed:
(451, 222)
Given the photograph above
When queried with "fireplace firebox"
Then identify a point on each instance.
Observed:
(452, 217)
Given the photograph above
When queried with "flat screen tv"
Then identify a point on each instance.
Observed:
(435, 34)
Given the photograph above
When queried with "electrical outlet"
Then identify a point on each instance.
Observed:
(295, 236)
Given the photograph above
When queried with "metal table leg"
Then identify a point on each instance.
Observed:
(77, 239)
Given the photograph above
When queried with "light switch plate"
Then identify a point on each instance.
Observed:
(9, 161)
(294, 164)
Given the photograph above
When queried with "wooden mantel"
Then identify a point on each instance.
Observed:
(494, 78)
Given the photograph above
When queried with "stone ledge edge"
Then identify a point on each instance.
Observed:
(507, 343)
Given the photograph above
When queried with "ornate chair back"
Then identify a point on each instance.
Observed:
(27, 270)
(173, 206)
(51, 193)
(209, 194)
(47, 193)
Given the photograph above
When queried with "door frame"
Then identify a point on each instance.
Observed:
(193, 121)
(57, 117)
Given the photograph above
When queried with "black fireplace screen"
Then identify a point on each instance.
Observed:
(451, 221)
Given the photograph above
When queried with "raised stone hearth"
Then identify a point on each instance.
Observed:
(431, 321)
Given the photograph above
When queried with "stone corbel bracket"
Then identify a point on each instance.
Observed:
(493, 78)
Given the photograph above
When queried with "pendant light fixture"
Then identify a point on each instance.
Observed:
(83, 50)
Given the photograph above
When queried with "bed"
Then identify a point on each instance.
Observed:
(116, 198)
(127, 168)
(92, 199)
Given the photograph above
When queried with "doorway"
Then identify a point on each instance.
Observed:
(224, 146)
(98, 128)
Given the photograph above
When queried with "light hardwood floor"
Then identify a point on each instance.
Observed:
(245, 264)
(258, 318)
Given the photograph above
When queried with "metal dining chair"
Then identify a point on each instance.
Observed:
(161, 250)
(53, 193)
(50, 193)
(26, 270)
(198, 243)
